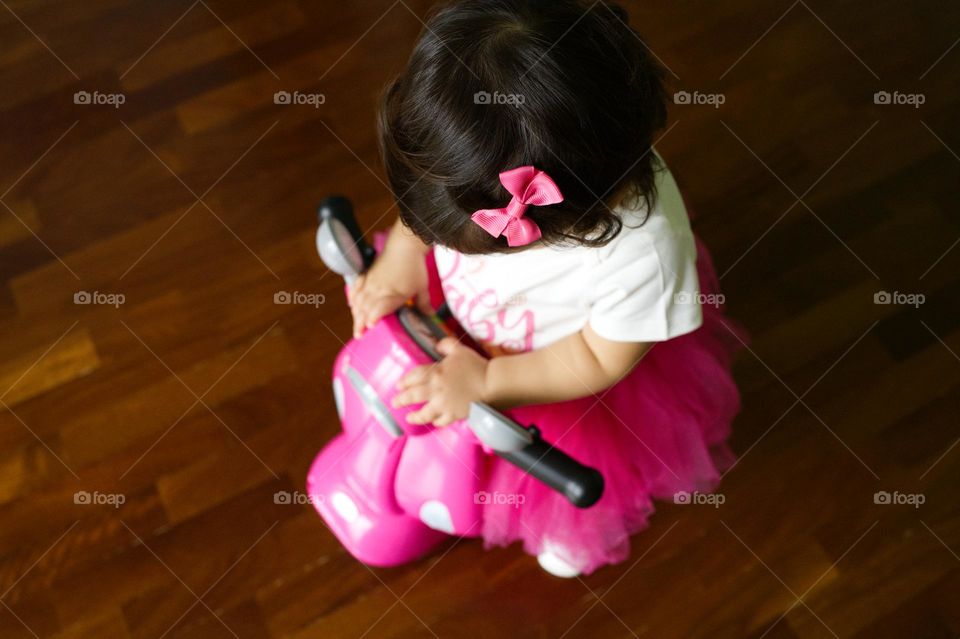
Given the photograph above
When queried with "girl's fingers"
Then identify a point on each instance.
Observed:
(425, 415)
(385, 304)
(358, 305)
(443, 420)
(377, 309)
(359, 317)
(354, 288)
(415, 395)
(415, 377)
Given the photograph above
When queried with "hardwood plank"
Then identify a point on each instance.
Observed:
(116, 200)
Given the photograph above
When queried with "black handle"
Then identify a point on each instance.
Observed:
(582, 485)
(340, 209)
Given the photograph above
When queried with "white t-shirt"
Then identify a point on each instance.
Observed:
(641, 287)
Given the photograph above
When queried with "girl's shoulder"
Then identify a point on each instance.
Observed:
(644, 278)
(665, 229)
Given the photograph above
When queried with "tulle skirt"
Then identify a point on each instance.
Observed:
(660, 431)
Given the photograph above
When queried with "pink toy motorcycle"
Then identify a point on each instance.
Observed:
(391, 491)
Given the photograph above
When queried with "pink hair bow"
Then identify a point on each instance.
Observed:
(529, 186)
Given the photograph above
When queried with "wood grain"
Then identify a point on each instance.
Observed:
(194, 200)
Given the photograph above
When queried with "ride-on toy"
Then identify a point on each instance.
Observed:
(391, 491)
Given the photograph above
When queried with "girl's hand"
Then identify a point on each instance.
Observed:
(395, 277)
(447, 387)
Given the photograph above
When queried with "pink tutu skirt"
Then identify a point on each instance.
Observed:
(659, 431)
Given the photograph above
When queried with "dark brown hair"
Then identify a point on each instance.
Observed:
(496, 84)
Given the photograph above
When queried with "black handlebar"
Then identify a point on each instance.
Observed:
(581, 484)
(339, 208)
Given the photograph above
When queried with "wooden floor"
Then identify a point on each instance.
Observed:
(187, 394)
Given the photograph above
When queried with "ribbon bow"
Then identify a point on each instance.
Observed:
(528, 186)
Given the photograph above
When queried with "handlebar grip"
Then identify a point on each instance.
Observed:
(580, 484)
(339, 208)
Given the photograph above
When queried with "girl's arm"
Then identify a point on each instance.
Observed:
(402, 239)
(576, 366)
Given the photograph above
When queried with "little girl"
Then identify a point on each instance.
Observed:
(518, 143)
